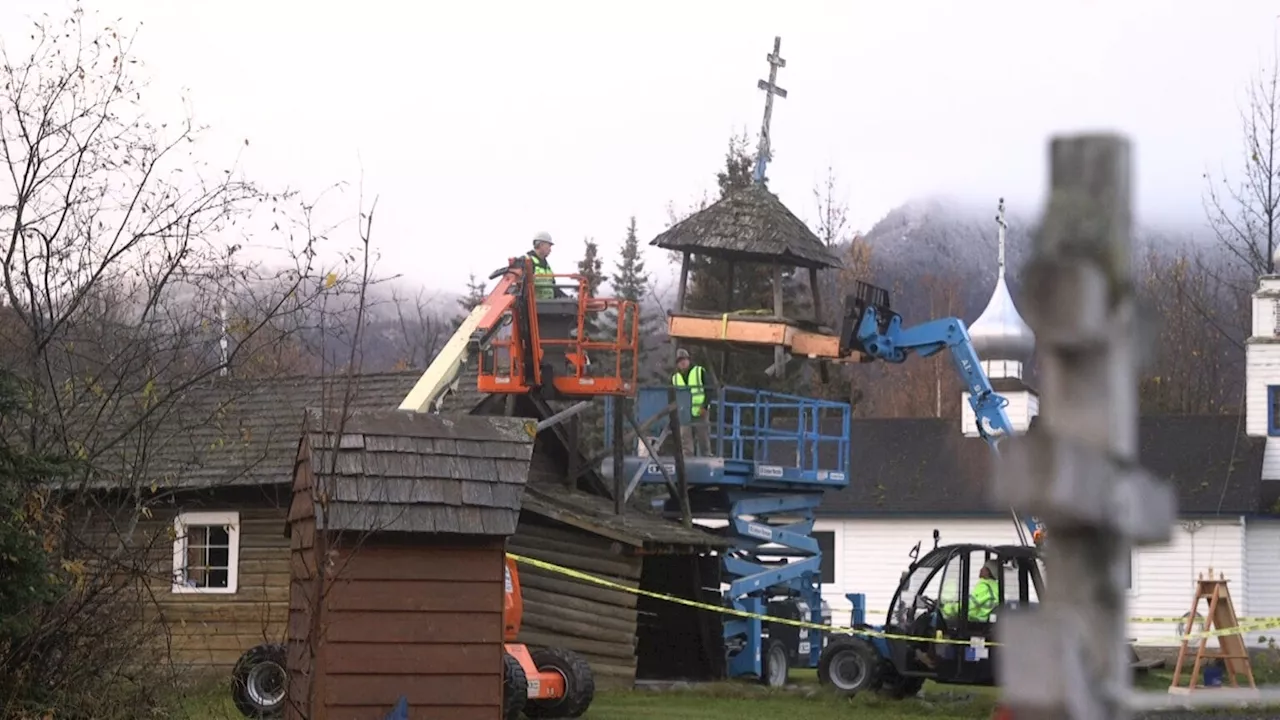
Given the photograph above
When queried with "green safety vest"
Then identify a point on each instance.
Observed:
(697, 395)
(543, 283)
(982, 601)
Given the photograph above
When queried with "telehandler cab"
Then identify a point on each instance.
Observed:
(933, 635)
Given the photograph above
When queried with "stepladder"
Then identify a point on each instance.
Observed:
(1231, 655)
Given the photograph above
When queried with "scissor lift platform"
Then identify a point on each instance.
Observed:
(773, 457)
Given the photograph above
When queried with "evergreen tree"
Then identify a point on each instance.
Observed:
(475, 295)
(31, 576)
(591, 266)
(631, 282)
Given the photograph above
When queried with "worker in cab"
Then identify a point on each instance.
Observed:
(544, 286)
(983, 598)
(688, 375)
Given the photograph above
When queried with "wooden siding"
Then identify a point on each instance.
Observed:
(597, 622)
(1262, 369)
(416, 618)
(208, 631)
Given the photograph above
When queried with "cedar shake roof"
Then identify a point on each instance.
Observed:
(594, 514)
(552, 498)
(239, 432)
(924, 466)
(749, 224)
(398, 471)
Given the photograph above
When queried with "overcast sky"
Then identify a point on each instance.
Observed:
(480, 123)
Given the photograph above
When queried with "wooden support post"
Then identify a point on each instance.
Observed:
(1231, 647)
(619, 485)
(681, 290)
(728, 307)
(816, 292)
(575, 452)
(777, 369)
(682, 480)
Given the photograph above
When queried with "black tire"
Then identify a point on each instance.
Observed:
(775, 666)
(260, 682)
(515, 688)
(897, 687)
(849, 665)
(579, 684)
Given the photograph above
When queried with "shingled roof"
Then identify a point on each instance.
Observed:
(416, 472)
(925, 466)
(639, 526)
(594, 514)
(749, 224)
(240, 432)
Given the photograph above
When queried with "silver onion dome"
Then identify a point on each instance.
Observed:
(1000, 333)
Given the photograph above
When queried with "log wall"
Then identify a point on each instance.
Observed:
(597, 622)
(200, 631)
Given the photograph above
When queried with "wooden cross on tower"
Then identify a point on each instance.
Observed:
(770, 88)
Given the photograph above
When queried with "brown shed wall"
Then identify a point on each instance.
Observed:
(412, 616)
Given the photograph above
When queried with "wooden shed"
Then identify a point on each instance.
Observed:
(398, 528)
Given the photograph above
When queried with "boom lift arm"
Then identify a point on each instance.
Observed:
(872, 328)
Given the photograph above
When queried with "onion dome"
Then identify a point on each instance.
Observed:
(1000, 333)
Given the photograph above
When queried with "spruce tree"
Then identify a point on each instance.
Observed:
(591, 266)
(630, 282)
(475, 295)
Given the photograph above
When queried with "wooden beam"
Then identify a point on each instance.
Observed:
(816, 292)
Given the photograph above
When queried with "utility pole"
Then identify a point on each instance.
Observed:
(770, 88)
(1078, 469)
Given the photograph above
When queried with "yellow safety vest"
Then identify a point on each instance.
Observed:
(982, 601)
(543, 283)
(694, 383)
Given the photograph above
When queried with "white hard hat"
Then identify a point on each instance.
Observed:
(542, 237)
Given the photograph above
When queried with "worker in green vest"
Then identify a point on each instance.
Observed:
(692, 376)
(543, 284)
(984, 597)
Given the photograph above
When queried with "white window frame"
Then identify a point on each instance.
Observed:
(181, 522)
(837, 549)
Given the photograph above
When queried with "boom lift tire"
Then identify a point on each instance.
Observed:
(850, 665)
(579, 684)
(775, 669)
(260, 682)
(515, 688)
(897, 687)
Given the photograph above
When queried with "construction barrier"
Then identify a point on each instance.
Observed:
(1251, 625)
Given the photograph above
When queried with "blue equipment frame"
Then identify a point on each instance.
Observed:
(773, 459)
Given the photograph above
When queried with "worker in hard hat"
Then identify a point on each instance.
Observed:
(688, 375)
(543, 283)
(983, 598)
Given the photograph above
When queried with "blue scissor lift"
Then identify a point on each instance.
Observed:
(774, 455)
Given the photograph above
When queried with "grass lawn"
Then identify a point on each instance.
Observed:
(806, 700)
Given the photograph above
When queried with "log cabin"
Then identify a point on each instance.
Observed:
(206, 510)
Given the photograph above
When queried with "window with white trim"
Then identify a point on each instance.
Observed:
(206, 552)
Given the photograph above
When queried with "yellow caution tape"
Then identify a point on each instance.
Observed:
(1253, 626)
